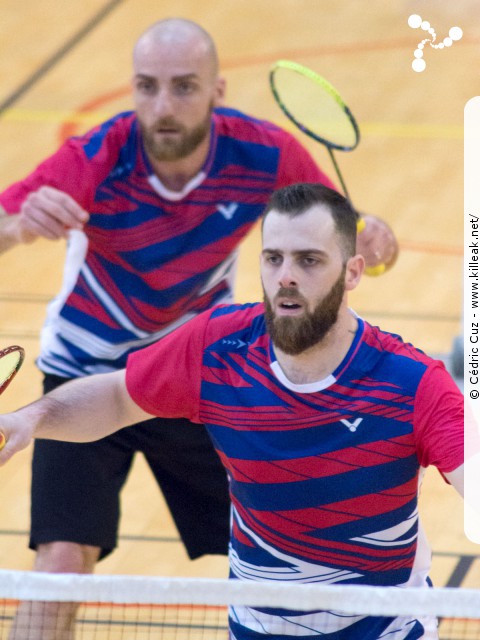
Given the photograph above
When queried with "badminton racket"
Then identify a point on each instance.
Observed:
(11, 359)
(318, 110)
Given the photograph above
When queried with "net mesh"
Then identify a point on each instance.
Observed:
(33, 605)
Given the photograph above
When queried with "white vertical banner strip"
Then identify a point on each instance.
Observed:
(471, 316)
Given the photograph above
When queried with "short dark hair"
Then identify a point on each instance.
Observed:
(298, 198)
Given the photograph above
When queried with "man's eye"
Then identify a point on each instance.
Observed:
(145, 87)
(184, 88)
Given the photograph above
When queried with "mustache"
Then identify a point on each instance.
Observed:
(167, 123)
(288, 292)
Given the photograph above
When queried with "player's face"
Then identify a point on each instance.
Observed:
(175, 89)
(303, 277)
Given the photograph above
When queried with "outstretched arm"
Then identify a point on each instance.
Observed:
(79, 411)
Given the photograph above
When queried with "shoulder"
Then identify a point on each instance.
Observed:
(235, 322)
(241, 126)
(386, 342)
(387, 356)
(110, 135)
(262, 147)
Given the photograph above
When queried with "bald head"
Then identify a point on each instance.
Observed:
(179, 34)
(176, 87)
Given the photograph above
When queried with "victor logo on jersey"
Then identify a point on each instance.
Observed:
(352, 426)
(228, 210)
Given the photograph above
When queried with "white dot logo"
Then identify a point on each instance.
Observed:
(416, 22)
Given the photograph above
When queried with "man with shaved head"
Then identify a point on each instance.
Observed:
(178, 128)
(153, 204)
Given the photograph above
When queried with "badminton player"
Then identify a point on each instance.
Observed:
(323, 422)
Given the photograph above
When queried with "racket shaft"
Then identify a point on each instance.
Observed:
(339, 173)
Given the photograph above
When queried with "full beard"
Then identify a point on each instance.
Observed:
(293, 335)
(178, 146)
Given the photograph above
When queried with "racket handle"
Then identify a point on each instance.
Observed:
(378, 269)
(3, 440)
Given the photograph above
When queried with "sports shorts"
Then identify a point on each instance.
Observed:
(75, 494)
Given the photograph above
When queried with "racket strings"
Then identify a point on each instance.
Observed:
(11, 360)
(314, 106)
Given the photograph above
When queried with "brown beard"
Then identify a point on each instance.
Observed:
(295, 335)
(178, 148)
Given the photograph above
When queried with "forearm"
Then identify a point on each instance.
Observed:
(9, 231)
(85, 409)
(82, 410)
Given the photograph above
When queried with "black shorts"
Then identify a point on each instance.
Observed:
(76, 487)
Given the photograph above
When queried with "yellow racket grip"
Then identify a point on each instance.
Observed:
(378, 269)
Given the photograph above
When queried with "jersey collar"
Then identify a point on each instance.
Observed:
(193, 183)
(328, 381)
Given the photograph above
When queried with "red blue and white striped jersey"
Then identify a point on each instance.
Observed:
(324, 477)
(150, 259)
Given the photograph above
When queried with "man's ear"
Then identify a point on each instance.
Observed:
(354, 271)
(219, 92)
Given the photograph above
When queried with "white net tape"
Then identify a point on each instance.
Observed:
(439, 602)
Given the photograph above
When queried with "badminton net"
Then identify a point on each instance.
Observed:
(147, 608)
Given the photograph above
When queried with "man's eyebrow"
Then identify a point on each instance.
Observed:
(186, 76)
(299, 252)
(179, 78)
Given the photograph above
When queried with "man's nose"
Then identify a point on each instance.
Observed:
(287, 276)
(164, 104)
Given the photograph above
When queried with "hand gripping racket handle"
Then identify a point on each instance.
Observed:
(11, 359)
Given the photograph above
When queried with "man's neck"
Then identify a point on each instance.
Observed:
(321, 360)
(175, 174)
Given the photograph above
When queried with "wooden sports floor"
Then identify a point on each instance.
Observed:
(65, 65)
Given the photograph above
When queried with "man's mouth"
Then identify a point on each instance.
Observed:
(167, 127)
(166, 130)
(288, 307)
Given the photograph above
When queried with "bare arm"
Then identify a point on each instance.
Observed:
(83, 410)
(47, 213)
(455, 478)
(10, 231)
